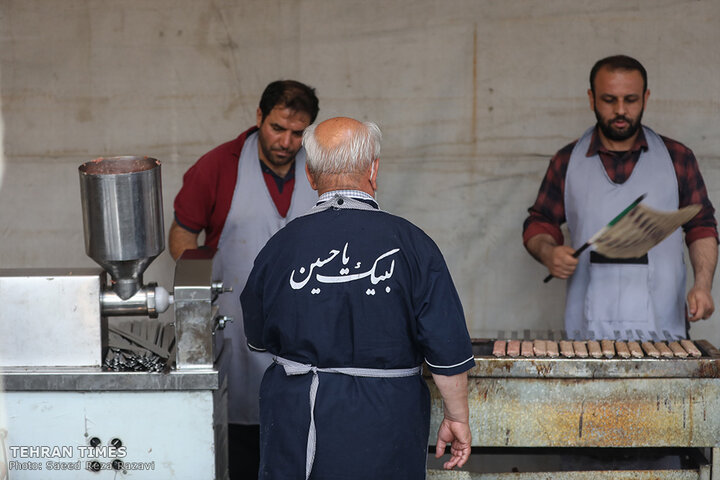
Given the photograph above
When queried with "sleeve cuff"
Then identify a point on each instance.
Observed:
(450, 370)
(541, 227)
(700, 232)
(184, 224)
(256, 349)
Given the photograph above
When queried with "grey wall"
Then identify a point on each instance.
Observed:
(473, 97)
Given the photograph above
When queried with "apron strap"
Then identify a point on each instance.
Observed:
(296, 368)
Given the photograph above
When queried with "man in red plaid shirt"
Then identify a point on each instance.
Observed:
(590, 181)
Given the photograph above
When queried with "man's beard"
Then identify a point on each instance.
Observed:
(270, 156)
(613, 133)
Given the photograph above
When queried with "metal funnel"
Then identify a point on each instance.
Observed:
(122, 217)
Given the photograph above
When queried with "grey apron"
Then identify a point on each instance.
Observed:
(611, 300)
(251, 221)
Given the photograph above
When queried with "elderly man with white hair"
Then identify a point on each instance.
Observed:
(351, 300)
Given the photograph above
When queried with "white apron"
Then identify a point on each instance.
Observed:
(611, 300)
(251, 221)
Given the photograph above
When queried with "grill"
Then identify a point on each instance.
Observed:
(598, 408)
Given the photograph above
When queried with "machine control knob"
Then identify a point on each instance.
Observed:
(221, 321)
(117, 464)
(94, 466)
(95, 442)
(116, 442)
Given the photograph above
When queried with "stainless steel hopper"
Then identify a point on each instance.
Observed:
(122, 217)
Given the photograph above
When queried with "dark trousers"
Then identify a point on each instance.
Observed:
(243, 451)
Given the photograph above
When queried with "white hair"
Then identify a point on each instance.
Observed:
(353, 156)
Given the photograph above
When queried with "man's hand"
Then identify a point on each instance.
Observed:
(558, 259)
(561, 263)
(703, 254)
(455, 427)
(700, 304)
(459, 436)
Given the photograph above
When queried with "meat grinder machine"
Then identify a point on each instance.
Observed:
(86, 397)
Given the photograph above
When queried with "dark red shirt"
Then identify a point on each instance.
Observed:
(204, 200)
(548, 212)
(280, 188)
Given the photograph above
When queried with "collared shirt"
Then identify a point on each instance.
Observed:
(548, 212)
(362, 289)
(280, 188)
(356, 194)
(280, 182)
(208, 188)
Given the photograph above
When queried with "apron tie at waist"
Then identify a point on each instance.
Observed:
(296, 368)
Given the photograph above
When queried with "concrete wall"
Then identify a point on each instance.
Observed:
(473, 97)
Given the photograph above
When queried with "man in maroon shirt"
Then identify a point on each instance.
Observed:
(207, 191)
(239, 194)
(618, 94)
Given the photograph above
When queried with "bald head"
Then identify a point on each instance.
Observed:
(341, 145)
(337, 131)
(341, 153)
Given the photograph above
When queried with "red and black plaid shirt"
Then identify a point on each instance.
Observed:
(548, 212)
